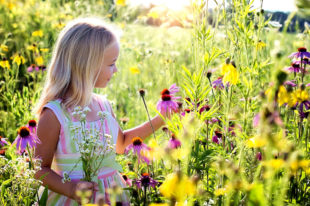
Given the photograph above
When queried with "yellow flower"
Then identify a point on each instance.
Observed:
(33, 48)
(5, 64)
(260, 45)
(11, 6)
(275, 163)
(283, 96)
(44, 49)
(58, 25)
(134, 70)
(220, 191)
(39, 60)
(174, 187)
(304, 164)
(120, 2)
(108, 15)
(153, 14)
(18, 59)
(256, 142)
(4, 48)
(294, 165)
(230, 73)
(37, 33)
(299, 96)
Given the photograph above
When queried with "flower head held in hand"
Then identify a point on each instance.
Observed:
(167, 103)
(138, 146)
(24, 138)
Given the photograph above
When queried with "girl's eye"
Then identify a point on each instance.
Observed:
(112, 65)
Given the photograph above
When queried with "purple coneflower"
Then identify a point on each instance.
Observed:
(174, 142)
(138, 146)
(186, 111)
(32, 125)
(173, 89)
(256, 120)
(204, 108)
(304, 61)
(32, 67)
(293, 68)
(146, 181)
(259, 156)
(167, 103)
(218, 83)
(302, 52)
(290, 83)
(2, 141)
(25, 138)
(217, 138)
(127, 180)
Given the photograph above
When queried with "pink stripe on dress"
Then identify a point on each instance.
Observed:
(63, 140)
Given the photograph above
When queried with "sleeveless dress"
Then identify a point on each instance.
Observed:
(67, 155)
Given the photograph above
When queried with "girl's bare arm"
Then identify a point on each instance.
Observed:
(48, 132)
(143, 131)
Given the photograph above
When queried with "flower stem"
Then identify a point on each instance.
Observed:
(148, 115)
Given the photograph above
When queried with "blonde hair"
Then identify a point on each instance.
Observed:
(77, 58)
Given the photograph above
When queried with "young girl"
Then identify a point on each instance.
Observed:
(83, 59)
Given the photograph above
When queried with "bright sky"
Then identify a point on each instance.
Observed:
(271, 5)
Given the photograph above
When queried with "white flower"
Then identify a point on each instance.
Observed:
(107, 136)
(83, 116)
(102, 114)
(86, 110)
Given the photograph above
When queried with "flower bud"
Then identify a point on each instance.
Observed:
(142, 92)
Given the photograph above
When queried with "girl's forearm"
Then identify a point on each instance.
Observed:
(54, 182)
(144, 130)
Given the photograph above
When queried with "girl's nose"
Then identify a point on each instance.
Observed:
(115, 69)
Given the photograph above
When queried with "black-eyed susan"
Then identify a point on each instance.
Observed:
(283, 96)
(4, 48)
(230, 74)
(260, 45)
(4, 63)
(18, 59)
(38, 33)
(39, 60)
(178, 187)
(34, 48)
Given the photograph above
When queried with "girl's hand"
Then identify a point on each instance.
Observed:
(82, 191)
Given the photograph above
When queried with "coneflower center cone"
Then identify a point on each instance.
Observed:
(24, 131)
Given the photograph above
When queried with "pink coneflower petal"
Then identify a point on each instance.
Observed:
(291, 83)
(256, 120)
(174, 142)
(174, 89)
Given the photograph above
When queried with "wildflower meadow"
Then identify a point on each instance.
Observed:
(234, 82)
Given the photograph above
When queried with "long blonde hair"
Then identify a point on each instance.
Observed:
(77, 58)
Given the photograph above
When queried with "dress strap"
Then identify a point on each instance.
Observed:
(103, 103)
(58, 111)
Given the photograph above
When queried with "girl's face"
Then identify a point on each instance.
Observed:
(106, 72)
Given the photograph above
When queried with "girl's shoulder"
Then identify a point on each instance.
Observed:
(56, 108)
